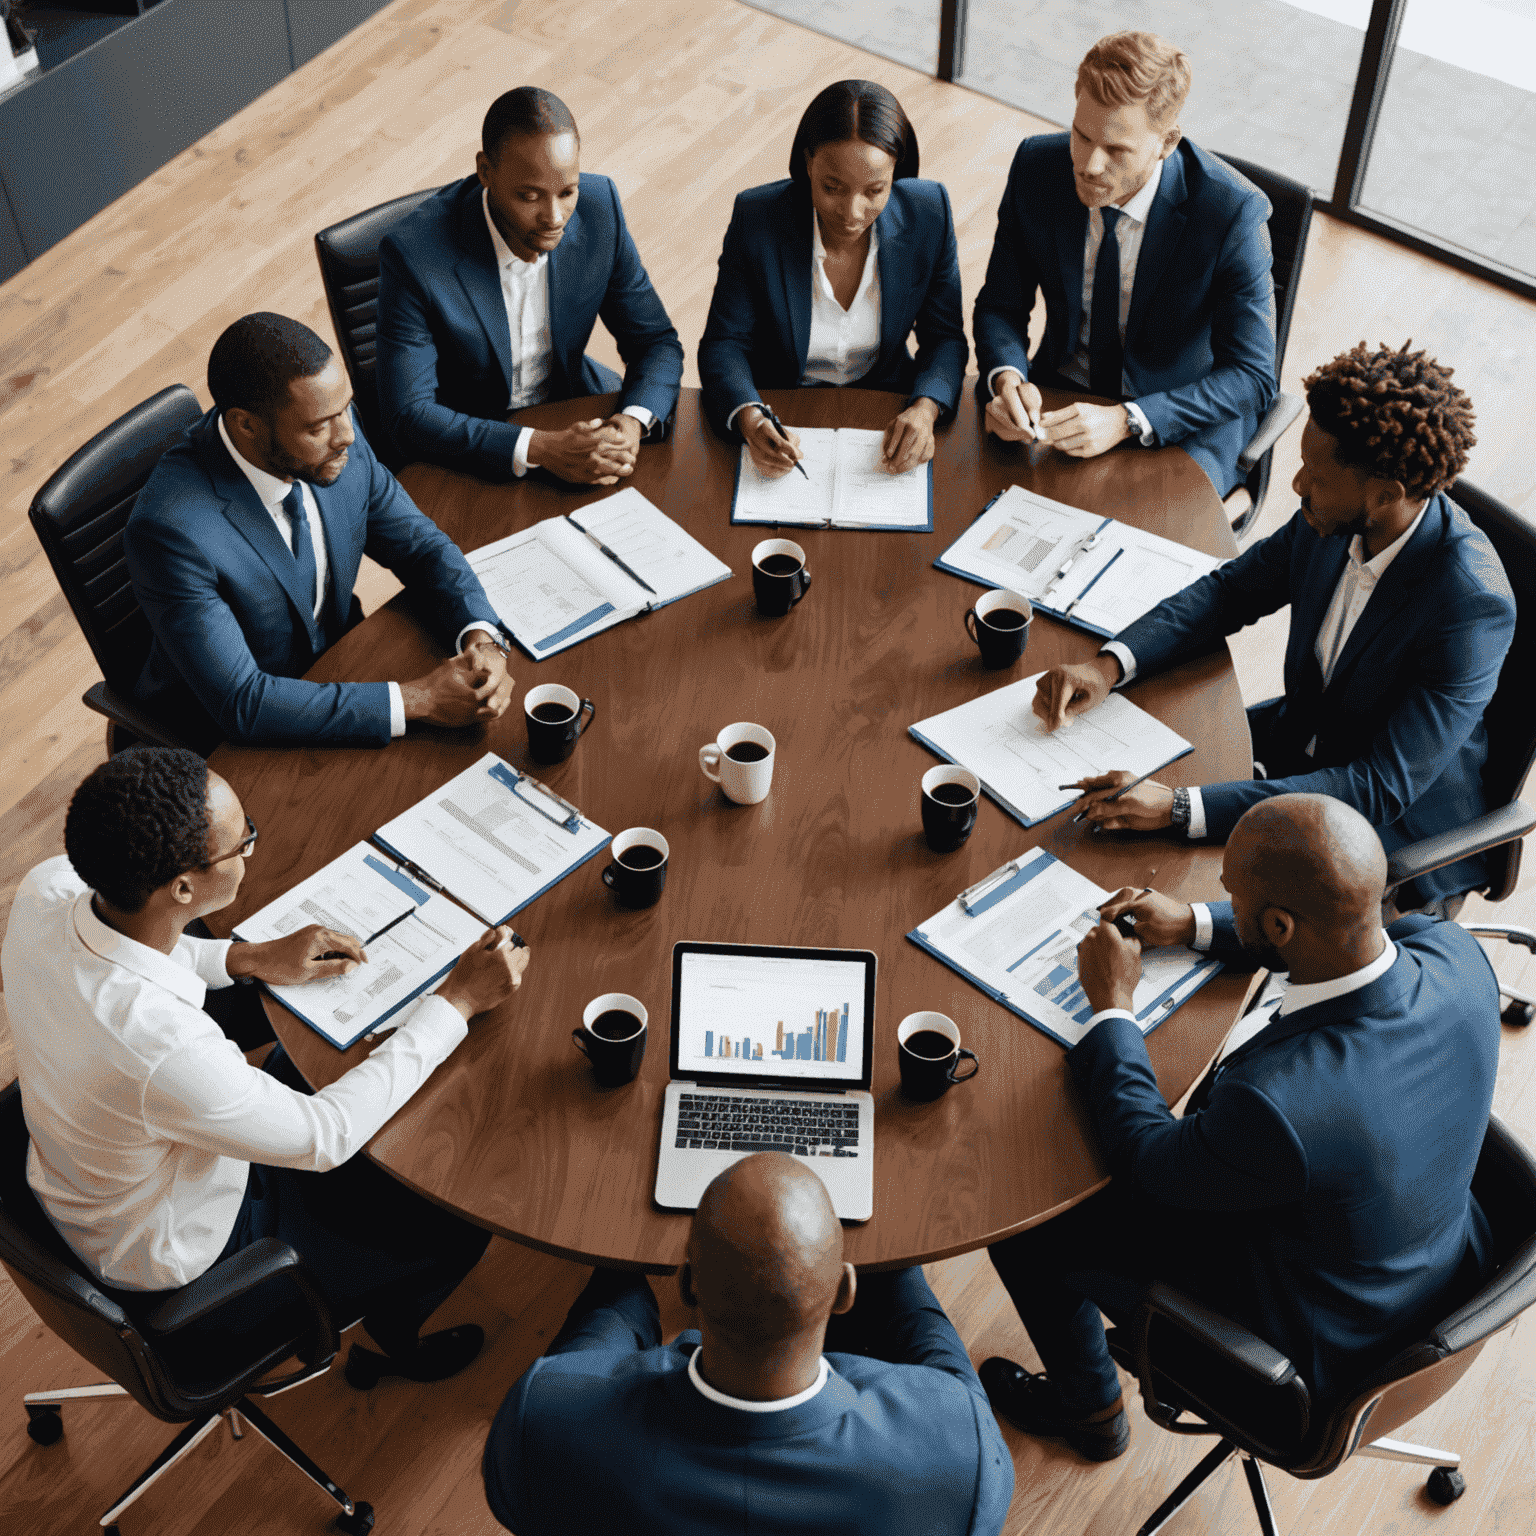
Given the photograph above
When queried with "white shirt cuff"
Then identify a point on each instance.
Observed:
(210, 961)
(730, 421)
(520, 464)
(639, 412)
(396, 711)
(992, 378)
(471, 627)
(1196, 814)
(1111, 1013)
(1123, 656)
(1205, 928)
(1145, 435)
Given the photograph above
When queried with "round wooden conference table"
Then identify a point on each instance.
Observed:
(511, 1131)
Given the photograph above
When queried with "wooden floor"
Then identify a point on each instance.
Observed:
(682, 102)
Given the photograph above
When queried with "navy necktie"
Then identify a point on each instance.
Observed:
(1105, 357)
(303, 545)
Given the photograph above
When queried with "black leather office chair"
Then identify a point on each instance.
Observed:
(348, 253)
(79, 517)
(1511, 724)
(1191, 1360)
(1289, 221)
(143, 1356)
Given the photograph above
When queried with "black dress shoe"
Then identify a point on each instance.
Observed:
(435, 1358)
(1032, 1402)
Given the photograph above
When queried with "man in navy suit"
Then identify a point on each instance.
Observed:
(244, 546)
(745, 1424)
(1400, 618)
(1154, 259)
(1318, 1188)
(488, 294)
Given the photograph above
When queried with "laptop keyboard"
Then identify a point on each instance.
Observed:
(717, 1122)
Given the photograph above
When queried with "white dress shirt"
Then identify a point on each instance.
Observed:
(271, 493)
(525, 292)
(844, 343)
(1129, 230)
(144, 1116)
(747, 1405)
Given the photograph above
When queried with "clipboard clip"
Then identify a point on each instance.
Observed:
(571, 821)
(1082, 547)
(973, 894)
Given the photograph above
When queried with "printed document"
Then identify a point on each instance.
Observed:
(846, 485)
(1021, 765)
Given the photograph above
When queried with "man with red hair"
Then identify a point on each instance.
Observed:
(1154, 260)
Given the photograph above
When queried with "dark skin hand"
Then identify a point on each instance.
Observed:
(1108, 967)
(1159, 920)
(487, 973)
(467, 689)
(1146, 808)
(1073, 688)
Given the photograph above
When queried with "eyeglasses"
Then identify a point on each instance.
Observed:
(245, 845)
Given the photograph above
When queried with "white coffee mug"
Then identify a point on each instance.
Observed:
(745, 783)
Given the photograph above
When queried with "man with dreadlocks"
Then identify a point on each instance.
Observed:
(1400, 618)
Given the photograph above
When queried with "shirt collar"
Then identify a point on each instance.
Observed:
(819, 253)
(505, 255)
(1140, 206)
(1309, 994)
(745, 1405)
(270, 491)
(118, 949)
(1375, 568)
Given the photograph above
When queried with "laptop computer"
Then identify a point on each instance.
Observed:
(772, 1050)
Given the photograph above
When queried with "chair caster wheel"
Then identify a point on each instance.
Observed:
(1518, 1013)
(361, 1370)
(45, 1425)
(359, 1522)
(1445, 1485)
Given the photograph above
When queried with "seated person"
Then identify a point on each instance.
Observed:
(824, 276)
(744, 1424)
(1400, 618)
(488, 294)
(1294, 1196)
(244, 546)
(156, 1149)
(1154, 259)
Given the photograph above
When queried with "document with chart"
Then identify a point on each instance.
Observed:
(845, 485)
(1089, 571)
(1018, 943)
(1021, 765)
(568, 578)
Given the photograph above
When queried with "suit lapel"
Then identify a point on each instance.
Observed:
(1071, 233)
(1165, 224)
(566, 257)
(894, 278)
(796, 275)
(1310, 606)
(481, 282)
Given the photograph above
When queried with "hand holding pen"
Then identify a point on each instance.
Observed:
(1150, 917)
(774, 448)
(1121, 802)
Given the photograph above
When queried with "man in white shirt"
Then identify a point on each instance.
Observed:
(1295, 1195)
(1401, 616)
(244, 546)
(488, 295)
(156, 1149)
(745, 1424)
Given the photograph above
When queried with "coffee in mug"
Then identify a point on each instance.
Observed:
(740, 761)
(929, 1052)
(612, 1037)
(999, 624)
(638, 874)
(779, 576)
(555, 724)
(951, 802)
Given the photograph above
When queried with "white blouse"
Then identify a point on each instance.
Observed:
(844, 342)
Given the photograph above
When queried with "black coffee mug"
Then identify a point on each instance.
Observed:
(929, 1050)
(951, 799)
(555, 721)
(612, 1037)
(638, 874)
(779, 576)
(999, 624)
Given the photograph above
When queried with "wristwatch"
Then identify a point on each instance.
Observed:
(1178, 817)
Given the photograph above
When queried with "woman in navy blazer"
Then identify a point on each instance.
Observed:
(824, 276)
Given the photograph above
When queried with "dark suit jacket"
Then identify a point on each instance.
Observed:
(607, 1433)
(1327, 1177)
(759, 327)
(220, 590)
(1200, 337)
(445, 352)
(1400, 727)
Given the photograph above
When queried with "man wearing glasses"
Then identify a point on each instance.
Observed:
(156, 1149)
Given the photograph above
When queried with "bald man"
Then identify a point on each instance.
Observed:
(744, 1424)
(1318, 1188)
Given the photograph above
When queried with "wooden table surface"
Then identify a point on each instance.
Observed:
(511, 1130)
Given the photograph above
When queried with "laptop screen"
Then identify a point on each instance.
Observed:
(759, 1013)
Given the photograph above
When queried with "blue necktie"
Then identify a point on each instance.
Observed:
(1106, 362)
(303, 546)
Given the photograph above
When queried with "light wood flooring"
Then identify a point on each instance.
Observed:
(682, 102)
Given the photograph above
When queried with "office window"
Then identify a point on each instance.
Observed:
(1273, 80)
(1455, 143)
(906, 31)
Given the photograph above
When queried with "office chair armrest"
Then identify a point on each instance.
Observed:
(131, 716)
(1498, 1304)
(1231, 1341)
(1490, 830)
(1283, 411)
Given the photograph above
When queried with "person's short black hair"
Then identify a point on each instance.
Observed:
(855, 109)
(258, 357)
(529, 109)
(137, 822)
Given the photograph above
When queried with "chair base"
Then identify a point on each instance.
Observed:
(1521, 1008)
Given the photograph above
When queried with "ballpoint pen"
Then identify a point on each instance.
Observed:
(603, 548)
(778, 426)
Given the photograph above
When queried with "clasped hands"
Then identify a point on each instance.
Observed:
(595, 452)
(466, 689)
(1109, 962)
(1015, 414)
(908, 440)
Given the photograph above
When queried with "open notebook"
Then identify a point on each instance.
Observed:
(845, 485)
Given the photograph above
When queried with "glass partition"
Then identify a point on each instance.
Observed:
(906, 31)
